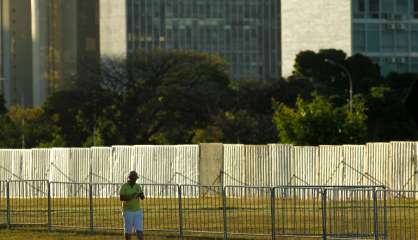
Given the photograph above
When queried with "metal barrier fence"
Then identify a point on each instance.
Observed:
(327, 212)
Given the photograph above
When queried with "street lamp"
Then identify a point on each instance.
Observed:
(349, 79)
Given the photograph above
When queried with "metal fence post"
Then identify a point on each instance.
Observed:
(91, 206)
(224, 213)
(375, 216)
(324, 214)
(49, 207)
(8, 204)
(273, 214)
(181, 230)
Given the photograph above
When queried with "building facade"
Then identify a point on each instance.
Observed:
(44, 44)
(384, 30)
(387, 31)
(246, 33)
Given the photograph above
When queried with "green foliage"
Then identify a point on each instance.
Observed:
(319, 122)
(28, 127)
(180, 96)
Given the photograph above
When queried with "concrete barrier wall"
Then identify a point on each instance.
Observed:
(392, 164)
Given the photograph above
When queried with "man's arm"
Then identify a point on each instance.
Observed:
(124, 197)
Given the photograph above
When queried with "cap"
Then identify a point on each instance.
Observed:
(133, 175)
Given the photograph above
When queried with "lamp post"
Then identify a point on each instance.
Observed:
(349, 79)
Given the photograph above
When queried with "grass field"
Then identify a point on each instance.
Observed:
(204, 216)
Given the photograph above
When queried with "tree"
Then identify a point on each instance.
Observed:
(319, 122)
(389, 119)
(328, 78)
(31, 128)
(152, 97)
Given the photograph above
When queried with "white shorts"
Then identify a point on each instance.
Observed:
(133, 221)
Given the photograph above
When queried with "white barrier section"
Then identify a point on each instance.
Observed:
(281, 164)
(26, 164)
(16, 164)
(331, 166)
(304, 165)
(187, 164)
(122, 163)
(354, 164)
(377, 164)
(101, 164)
(40, 163)
(257, 165)
(59, 165)
(101, 171)
(6, 164)
(163, 162)
(143, 163)
(187, 167)
(234, 172)
(404, 165)
(79, 169)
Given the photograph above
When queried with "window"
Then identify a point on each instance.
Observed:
(359, 38)
(414, 38)
(388, 40)
(361, 5)
(415, 8)
(402, 40)
(374, 6)
(402, 6)
(373, 38)
(387, 6)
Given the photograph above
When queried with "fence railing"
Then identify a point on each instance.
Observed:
(327, 212)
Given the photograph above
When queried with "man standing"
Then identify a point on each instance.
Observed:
(133, 217)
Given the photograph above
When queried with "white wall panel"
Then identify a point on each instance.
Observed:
(187, 167)
(6, 164)
(59, 165)
(26, 164)
(16, 164)
(304, 166)
(331, 167)
(40, 163)
(378, 166)
(187, 164)
(234, 172)
(354, 164)
(101, 164)
(79, 167)
(403, 170)
(281, 163)
(257, 165)
(121, 156)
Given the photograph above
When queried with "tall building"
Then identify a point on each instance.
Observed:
(44, 43)
(385, 30)
(244, 32)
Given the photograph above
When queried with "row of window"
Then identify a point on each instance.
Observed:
(386, 9)
(206, 8)
(374, 37)
(397, 64)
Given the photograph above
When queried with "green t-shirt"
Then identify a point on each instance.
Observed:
(133, 204)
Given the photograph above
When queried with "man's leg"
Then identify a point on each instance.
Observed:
(140, 235)
(139, 225)
(128, 224)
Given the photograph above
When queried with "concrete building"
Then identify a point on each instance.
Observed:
(245, 32)
(43, 44)
(385, 30)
